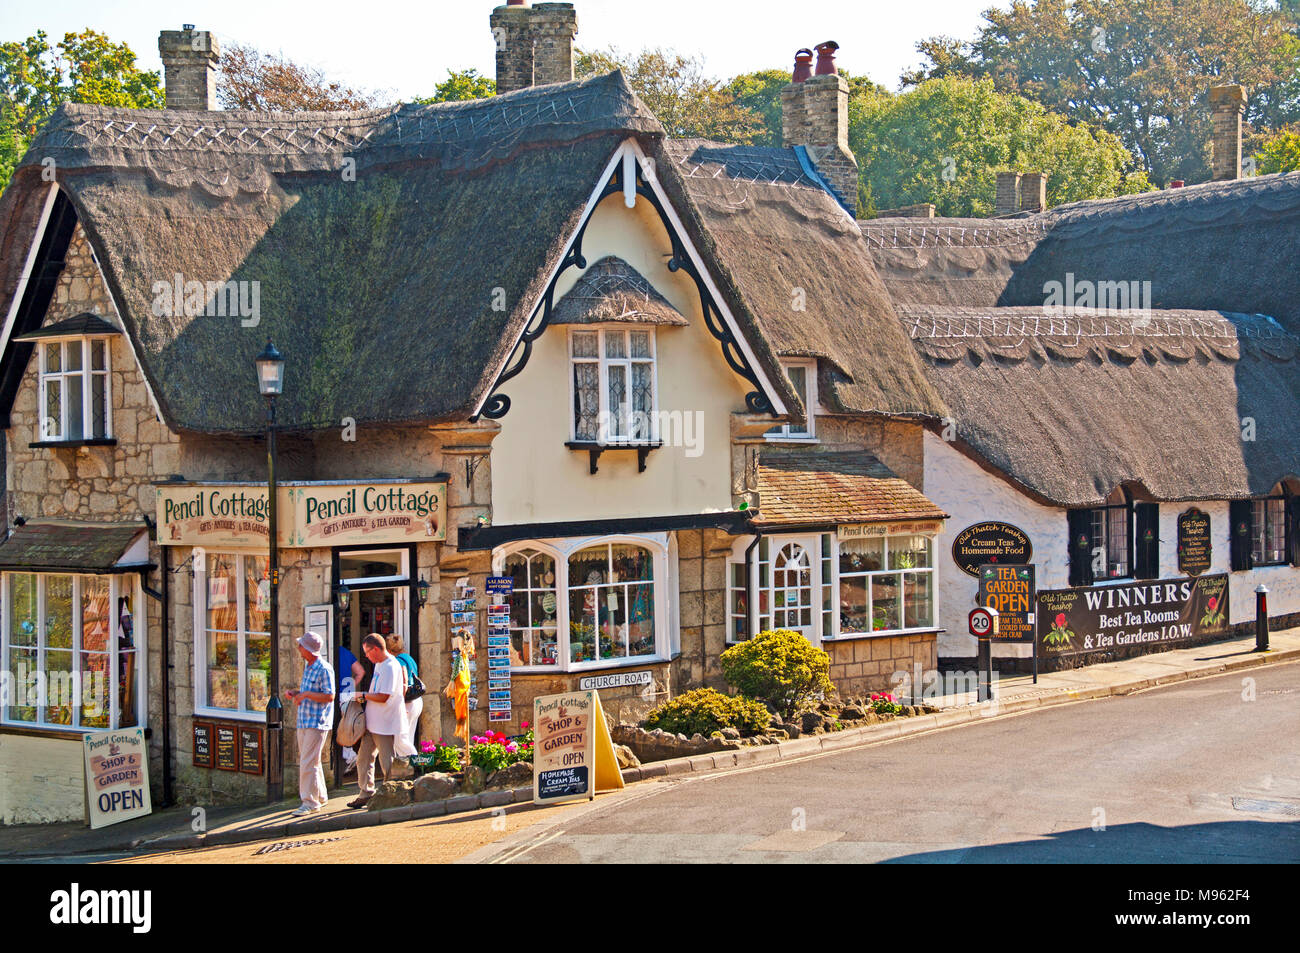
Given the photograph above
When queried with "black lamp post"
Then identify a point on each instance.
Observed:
(270, 382)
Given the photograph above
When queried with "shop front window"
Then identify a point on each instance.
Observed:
(234, 595)
(60, 639)
(886, 584)
(534, 620)
(595, 606)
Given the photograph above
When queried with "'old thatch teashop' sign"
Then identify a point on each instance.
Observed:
(573, 755)
(1195, 545)
(1131, 615)
(990, 542)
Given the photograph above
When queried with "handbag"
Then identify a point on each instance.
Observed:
(352, 724)
(416, 689)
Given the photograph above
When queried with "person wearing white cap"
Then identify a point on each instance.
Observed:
(315, 701)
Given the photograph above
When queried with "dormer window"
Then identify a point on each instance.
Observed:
(75, 403)
(613, 385)
(803, 377)
(74, 367)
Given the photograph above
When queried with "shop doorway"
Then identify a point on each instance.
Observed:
(375, 610)
(794, 586)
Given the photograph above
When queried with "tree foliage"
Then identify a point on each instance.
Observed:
(1137, 68)
(269, 82)
(946, 140)
(689, 103)
(461, 85)
(85, 67)
(1279, 152)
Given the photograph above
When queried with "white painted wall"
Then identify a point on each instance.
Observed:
(535, 478)
(971, 495)
(42, 780)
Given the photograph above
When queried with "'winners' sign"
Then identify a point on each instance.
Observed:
(117, 776)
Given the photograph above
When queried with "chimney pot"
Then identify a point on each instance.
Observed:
(534, 44)
(826, 58)
(1177, 184)
(802, 65)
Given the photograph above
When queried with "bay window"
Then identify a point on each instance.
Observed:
(232, 599)
(70, 658)
(886, 584)
(586, 605)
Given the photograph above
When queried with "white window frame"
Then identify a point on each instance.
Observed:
(603, 416)
(932, 570)
(200, 600)
(404, 567)
(86, 373)
(118, 586)
(826, 577)
(560, 550)
(787, 431)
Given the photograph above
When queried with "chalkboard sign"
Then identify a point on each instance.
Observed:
(563, 784)
(202, 744)
(1195, 544)
(227, 752)
(250, 750)
(992, 542)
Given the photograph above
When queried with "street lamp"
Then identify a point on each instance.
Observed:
(270, 383)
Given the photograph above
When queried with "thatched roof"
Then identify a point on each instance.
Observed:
(1217, 246)
(375, 239)
(612, 290)
(1071, 406)
(810, 486)
(803, 270)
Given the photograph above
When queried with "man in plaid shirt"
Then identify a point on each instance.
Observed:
(315, 700)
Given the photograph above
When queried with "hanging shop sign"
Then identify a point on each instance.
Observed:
(573, 754)
(310, 515)
(1155, 613)
(117, 776)
(1009, 590)
(869, 530)
(990, 542)
(1195, 544)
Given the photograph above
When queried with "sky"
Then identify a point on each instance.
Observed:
(404, 48)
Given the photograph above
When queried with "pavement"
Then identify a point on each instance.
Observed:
(181, 828)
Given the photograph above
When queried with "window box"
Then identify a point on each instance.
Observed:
(595, 449)
(98, 442)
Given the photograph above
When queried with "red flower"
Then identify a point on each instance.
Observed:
(1060, 620)
(1212, 603)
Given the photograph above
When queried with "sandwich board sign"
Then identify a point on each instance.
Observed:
(573, 754)
(117, 776)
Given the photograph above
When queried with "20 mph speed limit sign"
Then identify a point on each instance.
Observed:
(983, 622)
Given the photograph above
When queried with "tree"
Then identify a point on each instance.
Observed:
(269, 82)
(1279, 152)
(461, 85)
(85, 67)
(1137, 68)
(945, 141)
(675, 88)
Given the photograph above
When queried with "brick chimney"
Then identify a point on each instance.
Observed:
(190, 67)
(1033, 192)
(534, 44)
(1227, 104)
(815, 114)
(1007, 200)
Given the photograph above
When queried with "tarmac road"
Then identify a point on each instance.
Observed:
(1189, 773)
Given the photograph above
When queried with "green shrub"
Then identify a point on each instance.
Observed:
(705, 711)
(779, 667)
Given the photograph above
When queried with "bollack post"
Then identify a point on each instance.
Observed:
(985, 665)
(1261, 618)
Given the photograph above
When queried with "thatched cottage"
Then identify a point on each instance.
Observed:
(672, 391)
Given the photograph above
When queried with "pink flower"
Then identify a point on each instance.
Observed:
(1060, 620)
(1212, 603)
(523, 725)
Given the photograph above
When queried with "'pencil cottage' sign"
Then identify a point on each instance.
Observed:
(309, 514)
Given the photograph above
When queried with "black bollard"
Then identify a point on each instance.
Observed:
(1261, 618)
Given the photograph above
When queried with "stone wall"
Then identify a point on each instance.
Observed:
(42, 780)
(868, 665)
